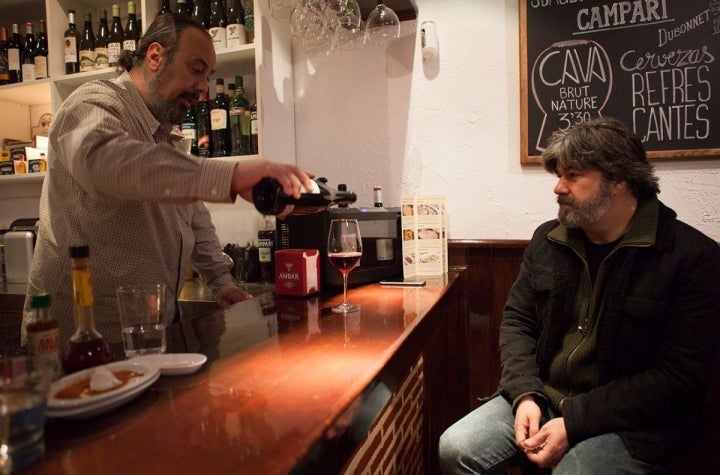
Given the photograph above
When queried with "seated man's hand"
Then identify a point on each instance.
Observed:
(549, 445)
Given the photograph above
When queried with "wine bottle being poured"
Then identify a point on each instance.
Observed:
(270, 199)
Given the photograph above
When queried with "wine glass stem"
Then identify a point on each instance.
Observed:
(345, 300)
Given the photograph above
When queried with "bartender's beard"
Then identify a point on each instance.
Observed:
(167, 112)
(581, 214)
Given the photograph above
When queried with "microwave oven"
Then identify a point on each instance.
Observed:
(381, 239)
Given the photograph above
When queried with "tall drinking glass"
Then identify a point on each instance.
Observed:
(344, 250)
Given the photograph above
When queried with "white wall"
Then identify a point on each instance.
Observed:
(450, 126)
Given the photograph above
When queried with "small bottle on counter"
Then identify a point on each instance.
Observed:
(270, 199)
(377, 196)
(87, 347)
(43, 335)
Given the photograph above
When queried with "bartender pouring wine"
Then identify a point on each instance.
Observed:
(120, 181)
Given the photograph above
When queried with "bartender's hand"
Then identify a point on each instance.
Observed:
(247, 174)
(231, 295)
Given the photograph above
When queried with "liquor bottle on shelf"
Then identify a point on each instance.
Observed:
(219, 121)
(204, 130)
(43, 335)
(102, 60)
(14, 55)
(28, 55)
(249, 20)
(270, 199)
(40, 60)
(165, 7)
(87, 46)
(188, 128)
(239, 120)
(87, 347)
(115, 37)
(254, 142)
(4, 74)
(218, 24)
(266, 250)
(132, 29)
(236, 35)
(200, 13)
(72, 43)
(183, 9)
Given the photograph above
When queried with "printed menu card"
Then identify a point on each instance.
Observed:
(424, 224)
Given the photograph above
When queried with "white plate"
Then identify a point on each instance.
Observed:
(174, 363)
(105, 405)
(148, 372)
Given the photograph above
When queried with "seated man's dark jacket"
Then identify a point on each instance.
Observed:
(656, 337)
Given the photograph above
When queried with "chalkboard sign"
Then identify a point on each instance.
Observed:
(654, 64)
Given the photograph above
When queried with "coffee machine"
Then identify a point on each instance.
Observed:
(19, 244)
(381, 238)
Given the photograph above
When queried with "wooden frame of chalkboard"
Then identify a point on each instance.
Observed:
(652, 63)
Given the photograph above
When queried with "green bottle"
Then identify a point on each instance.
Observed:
(239, 120)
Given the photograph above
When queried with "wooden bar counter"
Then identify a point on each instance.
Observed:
(291, 387)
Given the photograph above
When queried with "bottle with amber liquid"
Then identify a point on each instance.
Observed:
(87, 347)
(43, 335)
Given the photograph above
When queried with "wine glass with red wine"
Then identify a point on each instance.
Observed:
(344, 250)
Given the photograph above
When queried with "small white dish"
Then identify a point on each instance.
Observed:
(171, 364)
(147, 372)
(101, 406)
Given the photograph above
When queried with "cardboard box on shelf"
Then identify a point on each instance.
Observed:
(7, 168)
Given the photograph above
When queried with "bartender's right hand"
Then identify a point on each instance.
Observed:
(247, 174)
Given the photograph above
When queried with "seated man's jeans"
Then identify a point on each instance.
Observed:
(483, 442)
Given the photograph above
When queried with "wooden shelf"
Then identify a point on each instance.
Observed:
(22, 178)
(29, 93)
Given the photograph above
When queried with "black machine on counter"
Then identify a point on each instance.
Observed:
(381, 237)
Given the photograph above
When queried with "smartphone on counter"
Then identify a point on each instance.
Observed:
(400, 282)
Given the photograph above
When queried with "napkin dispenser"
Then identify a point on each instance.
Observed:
(381, 238)
(19, 244)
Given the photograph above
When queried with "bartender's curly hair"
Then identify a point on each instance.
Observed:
(605, 144)
(166, 29)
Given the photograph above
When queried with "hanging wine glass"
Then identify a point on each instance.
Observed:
(320, 41)
(306, 18)
(349, 31)
(347, 12)
(350, 39)
(382, 26)
(281, 9)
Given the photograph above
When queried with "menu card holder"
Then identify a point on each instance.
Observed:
(424, 225)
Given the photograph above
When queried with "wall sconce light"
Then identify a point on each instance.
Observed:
(429, 39)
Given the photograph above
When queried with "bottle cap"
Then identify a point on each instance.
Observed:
(78, 252)
(40, 301)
